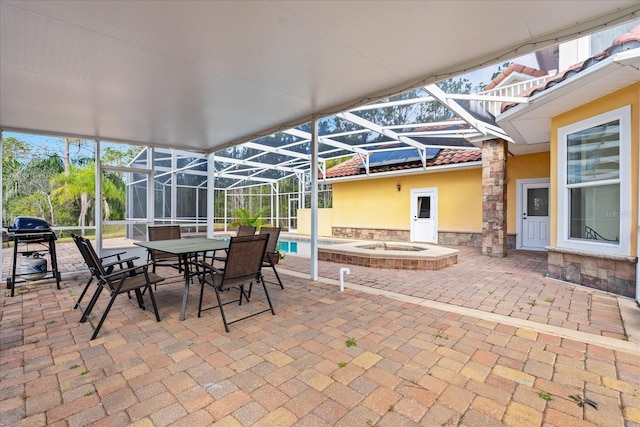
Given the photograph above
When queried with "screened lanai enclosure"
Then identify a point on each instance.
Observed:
(271, 175)
(181, 195)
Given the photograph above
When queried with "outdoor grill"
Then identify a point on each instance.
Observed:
(32, 236)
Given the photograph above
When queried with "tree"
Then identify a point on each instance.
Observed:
(78, 188)
(26, 180)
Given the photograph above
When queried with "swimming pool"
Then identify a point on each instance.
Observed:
(299, 247)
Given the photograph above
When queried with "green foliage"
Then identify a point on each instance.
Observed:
(545, 396)
(351, 342)
(251, 219)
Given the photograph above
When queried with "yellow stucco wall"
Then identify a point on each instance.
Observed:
(522, 167)
(325, 220)
(377, 203)
(627, 96)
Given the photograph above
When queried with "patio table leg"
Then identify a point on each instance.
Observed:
(187, 278)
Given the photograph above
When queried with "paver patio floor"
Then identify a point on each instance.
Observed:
(485, 342)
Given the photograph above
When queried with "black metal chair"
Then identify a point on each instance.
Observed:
(243, 230)
(108, 263)
(271, 252)
(242, 266)
(137, 279)
(159, 258)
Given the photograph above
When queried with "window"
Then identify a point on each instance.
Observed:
(593, 176)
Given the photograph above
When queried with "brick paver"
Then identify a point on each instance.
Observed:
(486, 342)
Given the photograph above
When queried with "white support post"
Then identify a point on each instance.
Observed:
(151, 186)
(98, 197)
(314, 202)
(1, 205)
(226, 219)
(277, 204)
(174, 186)
(211, 221)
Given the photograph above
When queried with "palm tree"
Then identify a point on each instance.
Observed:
(78, 186)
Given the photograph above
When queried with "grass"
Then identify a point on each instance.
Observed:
(351, 342)
(342, 364)
(545, 396)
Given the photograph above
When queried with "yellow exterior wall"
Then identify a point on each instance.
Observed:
(522, 167)
(325, 221)
(377, 203)
(627, 96)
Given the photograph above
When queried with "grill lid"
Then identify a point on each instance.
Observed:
(29, 223)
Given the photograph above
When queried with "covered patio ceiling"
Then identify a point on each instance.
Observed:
(204, 76)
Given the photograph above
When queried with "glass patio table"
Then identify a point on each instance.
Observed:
(185, 249)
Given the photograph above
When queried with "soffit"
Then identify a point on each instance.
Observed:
(206, 75)
(531, 123)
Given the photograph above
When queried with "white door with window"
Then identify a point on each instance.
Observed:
(533, 211)
(424, 209)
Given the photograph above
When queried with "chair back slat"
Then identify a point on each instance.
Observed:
(244, 258)
(274, 235)
(246, 230)
(164, 232)
(92, 259)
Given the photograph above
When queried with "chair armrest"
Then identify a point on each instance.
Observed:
(208, 266)
(112, 255)
(120, 261)
(126, 270)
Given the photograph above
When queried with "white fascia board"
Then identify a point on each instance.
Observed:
(565, 86)
(405, 172)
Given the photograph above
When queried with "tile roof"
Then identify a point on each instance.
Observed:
(626, 41)
(515, 68)
(446, 156)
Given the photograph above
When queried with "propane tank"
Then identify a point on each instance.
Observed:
(33, 267)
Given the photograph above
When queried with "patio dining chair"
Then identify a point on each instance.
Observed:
(137, 279)
(243, 230)
(109, 263)
(242, 267)
(271, 251)
(246, 230)
(159, 258)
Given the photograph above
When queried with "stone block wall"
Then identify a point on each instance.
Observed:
(372, 234)
(494, 198)
(453, 238)
(610, 273)
(467, 238)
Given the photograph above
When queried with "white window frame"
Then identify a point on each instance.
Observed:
(622, 247)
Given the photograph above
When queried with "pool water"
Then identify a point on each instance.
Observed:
(299, 247)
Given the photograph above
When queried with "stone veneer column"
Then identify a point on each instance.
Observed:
(494, 198)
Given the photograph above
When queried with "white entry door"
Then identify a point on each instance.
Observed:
(534, 197)
(424, 209)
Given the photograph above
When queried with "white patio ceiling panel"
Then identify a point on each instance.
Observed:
(206, 75)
